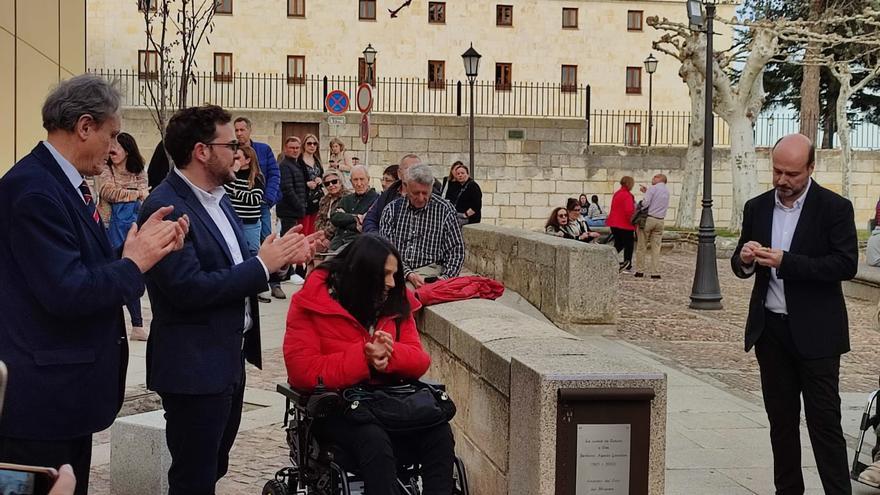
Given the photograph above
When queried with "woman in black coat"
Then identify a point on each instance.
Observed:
(464, 194)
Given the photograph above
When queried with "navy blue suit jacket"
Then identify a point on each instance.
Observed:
(197, 296)
(62, 289)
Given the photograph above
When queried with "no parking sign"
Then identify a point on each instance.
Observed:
(336, 102)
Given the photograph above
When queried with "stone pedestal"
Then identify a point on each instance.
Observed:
(139, 457)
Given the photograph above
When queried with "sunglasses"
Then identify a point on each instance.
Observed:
(311, 143)
(331, 182)
(563, 215)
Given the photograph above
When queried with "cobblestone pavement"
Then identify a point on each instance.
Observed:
(653, 315)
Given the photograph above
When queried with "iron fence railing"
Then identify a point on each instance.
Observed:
(402, 95)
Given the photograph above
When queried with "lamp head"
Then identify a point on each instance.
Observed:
(696, 19)
(651, 64)
(369, 55)
(471, 59)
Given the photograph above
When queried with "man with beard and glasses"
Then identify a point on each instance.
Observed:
(205, 316)
(799, 241)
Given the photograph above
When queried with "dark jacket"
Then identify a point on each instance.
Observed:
(824, 252)
(464, 197)
(62, 289)
(345, 221)
(314, 195)
(292, 203)
(197, 295)
(159, 166)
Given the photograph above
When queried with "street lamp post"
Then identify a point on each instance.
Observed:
(369, 60)
(650, 68)
(706, 291)
(471, 59)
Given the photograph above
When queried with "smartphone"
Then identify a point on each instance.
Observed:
(431, 280)
(4, 376)
(26, 480)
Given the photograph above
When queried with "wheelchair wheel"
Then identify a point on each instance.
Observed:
(459, 478)
(275, 487)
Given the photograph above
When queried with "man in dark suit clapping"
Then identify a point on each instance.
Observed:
(799, 240)
(206, 320)
(62, 288)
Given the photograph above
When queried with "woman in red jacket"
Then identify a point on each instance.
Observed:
(623, 205)
(352, 322)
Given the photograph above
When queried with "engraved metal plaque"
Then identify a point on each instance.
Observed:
(603, 455)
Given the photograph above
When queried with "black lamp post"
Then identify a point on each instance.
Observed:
(650, 68)
(471, 66)
(369, 59)
(706, 291)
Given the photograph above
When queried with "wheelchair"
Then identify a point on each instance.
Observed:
(315, 469)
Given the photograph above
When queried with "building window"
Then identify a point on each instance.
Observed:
(633, 80)
(569, 78)
(634, 20)
(632, 134)
(367, 10)
(223, 7)
(362, 72)
(296, 69)
(569, 18)
(143, 5)
(296, 8)
(502, 77)
(437, 12)
(222, 67)
(504, 15)
(436, 74)
(148, 64)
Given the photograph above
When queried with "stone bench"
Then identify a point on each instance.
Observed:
(504, 370)
(572, 283)
(865, 285)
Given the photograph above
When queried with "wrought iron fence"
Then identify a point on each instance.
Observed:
(402, 95)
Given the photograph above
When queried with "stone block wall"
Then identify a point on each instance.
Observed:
(523, 179)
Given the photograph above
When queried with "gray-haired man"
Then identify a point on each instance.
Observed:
(424, 229)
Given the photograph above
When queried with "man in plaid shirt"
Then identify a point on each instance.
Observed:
(424, 229)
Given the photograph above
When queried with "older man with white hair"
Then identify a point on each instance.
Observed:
(349, 215)
(424, 229)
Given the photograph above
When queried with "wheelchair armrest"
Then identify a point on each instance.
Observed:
(297, 397)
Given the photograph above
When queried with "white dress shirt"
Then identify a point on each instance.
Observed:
(69, 170)
(785, 222)
(211, 202)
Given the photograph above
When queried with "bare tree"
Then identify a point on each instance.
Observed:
(809, 114)
(738, 96)
(174, 29)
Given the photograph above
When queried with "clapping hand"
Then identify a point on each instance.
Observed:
(379, 350)
(290, 249)
(149, 243)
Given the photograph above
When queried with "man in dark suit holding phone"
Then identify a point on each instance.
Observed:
(206, 320)
(62, 288)
(799, 241)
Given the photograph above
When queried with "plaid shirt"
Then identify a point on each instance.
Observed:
(424, 236)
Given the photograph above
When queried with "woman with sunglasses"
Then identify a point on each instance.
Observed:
(557, 223)
(329, 203)
(310, 162)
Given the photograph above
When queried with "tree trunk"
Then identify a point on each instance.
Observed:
(693, 165)
(810, 84)
(743, 165)
(829, 127)
(843, 131)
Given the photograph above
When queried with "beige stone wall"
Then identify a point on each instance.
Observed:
(523, 179)
(41, 43)
(261, 36)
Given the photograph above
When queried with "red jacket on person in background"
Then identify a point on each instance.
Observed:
(324, 340)
(623, 205)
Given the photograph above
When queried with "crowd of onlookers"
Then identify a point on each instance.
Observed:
(626, 220)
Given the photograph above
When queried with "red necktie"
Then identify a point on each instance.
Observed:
(90, 203)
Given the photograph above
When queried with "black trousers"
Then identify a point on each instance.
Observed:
(376, 454)
(200, 430)
(784, 377)
(52, 453)
(287, 224)
(624, 241)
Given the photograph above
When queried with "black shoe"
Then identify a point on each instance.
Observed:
(626, 266)
(277, 293)
(263, 299)
(655, 277)
(639, 275)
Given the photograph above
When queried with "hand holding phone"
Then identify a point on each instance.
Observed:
(29, 480)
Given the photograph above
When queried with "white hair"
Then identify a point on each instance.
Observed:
(421, 174)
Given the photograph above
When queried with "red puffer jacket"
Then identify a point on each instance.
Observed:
(323, 340)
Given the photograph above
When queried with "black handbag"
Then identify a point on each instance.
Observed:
(410, 406)
(640, 216)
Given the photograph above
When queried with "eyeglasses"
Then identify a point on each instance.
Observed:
(331, 182)
(311, 143)
(562, 215)
(233, 145)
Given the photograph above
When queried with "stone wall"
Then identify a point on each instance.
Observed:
(504, 369)
(572, 283)
(527, 166)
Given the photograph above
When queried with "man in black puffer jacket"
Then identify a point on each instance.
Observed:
(292, 205)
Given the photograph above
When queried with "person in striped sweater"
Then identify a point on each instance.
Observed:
(246, 194)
